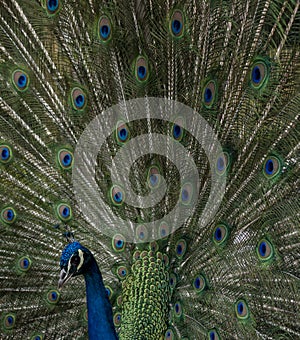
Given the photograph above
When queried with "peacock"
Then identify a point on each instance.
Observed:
(149, 163)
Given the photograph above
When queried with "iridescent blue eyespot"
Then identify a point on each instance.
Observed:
(8, 215)
(220, 234)
(222, 163)
(164, 230)
(118, 243)
(177, 24)
(172, 281)
(141, 69)
(64, 212)
(272, 167)
(259, 74)
(9, 321)
(53, 296)
(178, 309)
(122, 272)
(209, 94)
(178, 129)
(186, 193)
(65, 159)
(241, 309)
(20, 80)
(169, 335)
(264, 250)
(109, 291)
(123, 133)
(36, 337)
(153, 177)
(141, 233)
(213, 334)
(5, 153)
(105, 29)
(117, 319)
(180, 248)
(52, 6)
(24, 264)
(78, 99)
(199, 283)
(117, 195)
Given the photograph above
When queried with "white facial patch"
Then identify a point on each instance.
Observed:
(81, 258)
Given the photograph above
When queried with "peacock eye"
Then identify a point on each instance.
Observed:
(265, 250)
(118, 243)
(78, 98)
(64, 212)
(117, 195)
(53, 296)
(186, 193)
(272, 167)
(141, 69)
(65, 159)
(9, 321)
(20, 80)
(75, 260)
(122, 272)
(178, 309)
(241, 309)
(8, 215)
(220, 234)
(5, 154)
(177, 24)
(178, 129)
(122, 133)
(209, 94)
(117, 319)
(153, 177)
(259, 74)
(24, 264)
(109, 291)
(104, 29)
(213, 335)
(52, 6)
(180, 248)
(169, 335)
(141, 233)
(163, 230)
(222, 163)
(199, 283)
(172, 280)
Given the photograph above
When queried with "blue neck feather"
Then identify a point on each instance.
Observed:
(100, 317)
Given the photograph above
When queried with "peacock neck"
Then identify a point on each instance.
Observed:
(100, 317)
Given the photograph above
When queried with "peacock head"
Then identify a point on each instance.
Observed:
(74, 261)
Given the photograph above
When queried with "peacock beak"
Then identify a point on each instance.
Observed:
(64, 277)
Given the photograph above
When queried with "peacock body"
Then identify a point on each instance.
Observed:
(164, 137)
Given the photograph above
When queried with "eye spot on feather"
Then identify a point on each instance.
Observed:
(52, 6)
(141, 69)
(169, 335)
(78, 99)
(172, 281)
(53, 296)
(37, 337)
(264, 250)
(5, 153)
(65, 159)
(213, 335)
(241, 310)
(105, 29)
(20, 80)
(118, 243)
(64, 212)
(180, 248)
(178, 129)
(9, 321)
(8, 215)
(177, 24)
(141, 233)
(164, 230)
(209, 94)
(259, 74)
(153, 177)
(220, 234)
(199, 283)
(122, 272)
(177, 309)
(122, 133)
(109, 292)
(117, 319)
(272, 167)
(186, 194)
(117, 195)
(222, 163)
(24, 264)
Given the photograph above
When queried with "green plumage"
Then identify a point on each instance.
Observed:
(234, 275)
